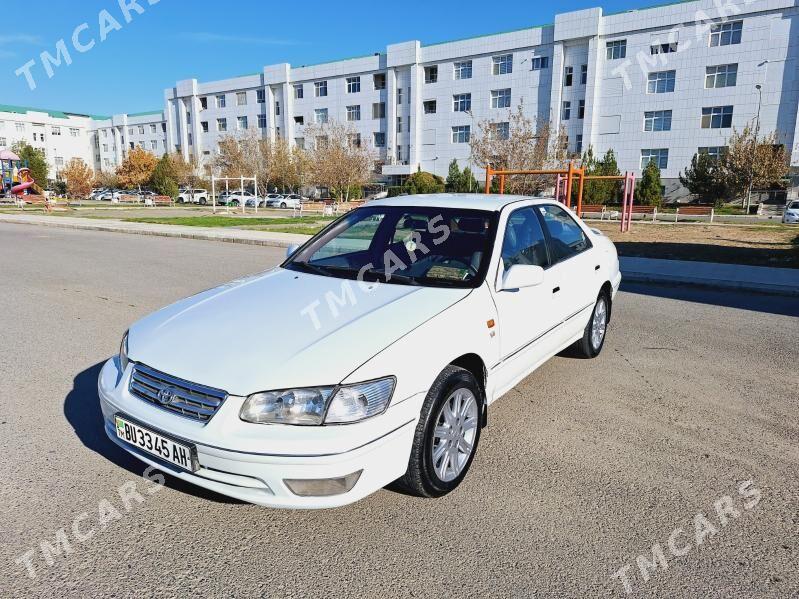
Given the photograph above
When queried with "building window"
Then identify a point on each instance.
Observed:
(380, 139)
(277, 108)
(461, 134)
(241, 98)
(277, 133)
(20, 126)
(660, 82)
(583, 74)
(500, 98)
(578, 146)
(299, 120)
(298, 91)
(262, 121)
(726, 34)
(320, 116)
(241, 123)
(616, 49)
(399, 95)
(354, 139)
(354, 113)
(429, 106)
(353, 85)
(105, 132)
(153, 145)
(299, 142)
(663, 48)
(461, 102)
(379, 80)
(657, 120)
(715, 152)
(723, 75)
(260, 96)
(203, 103)
(660, 156)
(55, 131)
(431, 74)
(463, 69)
(581, 109)
(502, 65)
(717, 117)
(568, 76)
(379, 110)
(153, 129)
(320, 89)
(221, 124)
(540, 63)
(59, 161)
(399, 153)
(399, 124)
(204, 126)
(141, 128)
(566, 112)
(500, 130)
(74, 132)
(220, 101)
(105, 146)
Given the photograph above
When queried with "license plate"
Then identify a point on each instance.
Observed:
(184, 456)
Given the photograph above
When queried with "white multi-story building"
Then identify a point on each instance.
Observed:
(657, 84)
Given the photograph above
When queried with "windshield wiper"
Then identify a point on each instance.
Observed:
(308, 267)
(393, 276)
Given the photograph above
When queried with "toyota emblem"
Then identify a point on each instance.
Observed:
(167, 395)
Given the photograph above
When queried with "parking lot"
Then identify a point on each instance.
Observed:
(584, 466)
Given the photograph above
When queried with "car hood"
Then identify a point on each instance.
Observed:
(281, 329)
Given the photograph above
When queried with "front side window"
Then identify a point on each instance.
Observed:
(661, 82)
(717, 117)
(502, 65)
(726, 34)
(524, 241)
(463, 69)
(426, 246)
(723, 75)
(500, 98)
(566, 237)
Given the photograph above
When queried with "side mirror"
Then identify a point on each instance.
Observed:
(519, 276)
(291, 249)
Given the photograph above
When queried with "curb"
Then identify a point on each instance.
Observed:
(762, 288)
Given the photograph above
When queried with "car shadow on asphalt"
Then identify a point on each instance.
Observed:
(758, 302)
(82, 411)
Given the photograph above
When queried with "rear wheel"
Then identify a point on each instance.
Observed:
(234, 203)
(446, 436)
(594, 336)
(203, 201)
(283, 204)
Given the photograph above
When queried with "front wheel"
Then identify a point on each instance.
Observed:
(234, 203)
(446, 436)
(594, 336)
(203, 201)
(283, 205)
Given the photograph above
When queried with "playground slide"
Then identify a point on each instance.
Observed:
(18, 189)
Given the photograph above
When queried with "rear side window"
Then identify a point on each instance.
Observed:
(524, 241)
(566, 237)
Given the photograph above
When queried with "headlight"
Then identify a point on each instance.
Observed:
(315, 405)
(123, 352)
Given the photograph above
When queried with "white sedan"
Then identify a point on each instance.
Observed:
(791, 213)
(373, 353)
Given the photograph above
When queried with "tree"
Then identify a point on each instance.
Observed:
(107, 179)
(649, 191)
(36, 159)
(79, 177)
(246, 155)
(339, 159)
(752, 161)
(423, 182)
(704, 179)
(603, 191)
(137, 168)
(454, 176)
(164, 179)
(516, 142)
(468, 182)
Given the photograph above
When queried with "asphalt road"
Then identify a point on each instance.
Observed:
(584, 466)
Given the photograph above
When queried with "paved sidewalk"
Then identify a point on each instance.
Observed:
(759, 279)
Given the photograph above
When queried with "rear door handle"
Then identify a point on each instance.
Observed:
(556, 289)
(596, 267)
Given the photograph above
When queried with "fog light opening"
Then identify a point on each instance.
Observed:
(322, 487)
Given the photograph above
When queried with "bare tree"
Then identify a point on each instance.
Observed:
(246, 155)
(519, 142)
(339, 159)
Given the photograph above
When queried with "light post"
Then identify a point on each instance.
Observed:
(759, 89)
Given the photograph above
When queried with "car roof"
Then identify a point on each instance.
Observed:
(476, 201)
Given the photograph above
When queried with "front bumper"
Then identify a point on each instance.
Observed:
(790, 218)
(237, 468)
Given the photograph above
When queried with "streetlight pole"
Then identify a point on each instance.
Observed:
(759, 89)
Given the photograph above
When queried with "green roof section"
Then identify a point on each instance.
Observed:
(58, 114)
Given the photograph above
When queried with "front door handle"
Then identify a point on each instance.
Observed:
(596, 267)
(556, 289)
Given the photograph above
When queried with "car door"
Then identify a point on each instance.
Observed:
(574, 265)
(525, 316)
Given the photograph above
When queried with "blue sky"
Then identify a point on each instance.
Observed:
(181, 39)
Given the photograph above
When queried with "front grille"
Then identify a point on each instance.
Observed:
(191, 400)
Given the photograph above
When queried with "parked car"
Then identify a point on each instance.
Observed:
(239, 197)
(97, 194)
(193, 196)
(113, 195)
(791, 213)
(291, 200)
(449, 301)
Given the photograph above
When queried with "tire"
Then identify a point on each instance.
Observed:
(424, 476)
(203, 201)
(181, 201)
(283, 205)
(234, 203)
(591, 345)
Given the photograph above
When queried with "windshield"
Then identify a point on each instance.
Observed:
(794, 206)
(429, 246)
